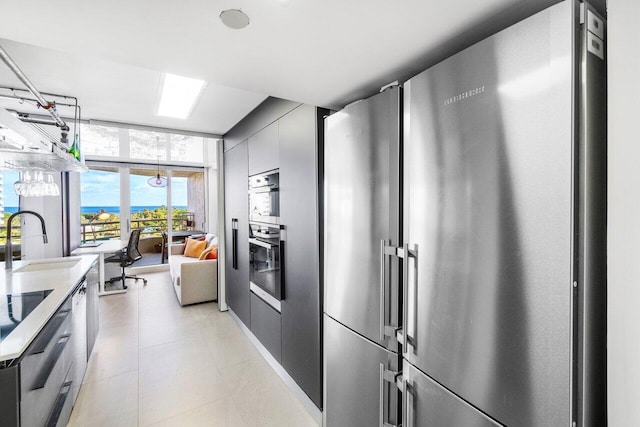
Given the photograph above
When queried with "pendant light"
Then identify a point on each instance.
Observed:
(157, 181)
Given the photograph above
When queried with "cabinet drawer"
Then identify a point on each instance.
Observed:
(45, 366)
(265, 325)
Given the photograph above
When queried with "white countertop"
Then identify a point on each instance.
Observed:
(60, 281)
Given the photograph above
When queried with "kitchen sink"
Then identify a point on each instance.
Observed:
(47, 265)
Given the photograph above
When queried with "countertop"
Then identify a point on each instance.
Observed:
(60, 281)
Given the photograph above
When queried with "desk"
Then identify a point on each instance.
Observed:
(175, 235)
(106, 247)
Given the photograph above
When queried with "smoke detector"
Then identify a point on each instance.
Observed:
(234, 18)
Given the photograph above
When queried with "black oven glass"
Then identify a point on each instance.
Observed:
(16, 307)
(264, 197)
(265, 259)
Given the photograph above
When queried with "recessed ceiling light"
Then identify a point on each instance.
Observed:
(179, 95)
(234, 18)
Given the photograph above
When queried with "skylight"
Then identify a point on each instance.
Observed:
(179, 95)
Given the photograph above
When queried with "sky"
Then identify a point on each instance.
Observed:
(9, 195)
(103, 189)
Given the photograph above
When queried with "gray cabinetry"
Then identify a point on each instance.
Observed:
(79, 339)
(263, 150)
(44, 369)
(299, 213)
(93, 315)
(237, 231)
(10, 396)
(265, 325)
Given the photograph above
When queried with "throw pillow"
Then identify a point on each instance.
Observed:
(209, 253)
(193, 248)
(213, 254)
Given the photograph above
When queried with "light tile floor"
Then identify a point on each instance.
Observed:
(158, 364)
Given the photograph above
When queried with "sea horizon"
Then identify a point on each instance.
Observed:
(108, 209)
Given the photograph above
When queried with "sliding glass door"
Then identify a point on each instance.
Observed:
(116, 200)
(100, 202)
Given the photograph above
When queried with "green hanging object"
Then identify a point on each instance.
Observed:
(75, 148)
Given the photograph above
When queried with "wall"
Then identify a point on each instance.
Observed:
(624, 214)
(211, 178)
(50, 207)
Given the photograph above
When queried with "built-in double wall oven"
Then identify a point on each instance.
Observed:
(266, 239)
(264, 197)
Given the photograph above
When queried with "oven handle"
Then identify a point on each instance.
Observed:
(282, 269)
(262, 244)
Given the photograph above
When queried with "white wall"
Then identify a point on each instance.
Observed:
(211, 176)
(50, 207)
(624, 213)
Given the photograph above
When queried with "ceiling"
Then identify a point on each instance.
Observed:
(111, 55)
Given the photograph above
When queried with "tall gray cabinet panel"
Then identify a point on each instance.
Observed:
(237, 231)
(299, 210)
(263, 150)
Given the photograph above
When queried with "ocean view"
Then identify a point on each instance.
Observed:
(109, 209)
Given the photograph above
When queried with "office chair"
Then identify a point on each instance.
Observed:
(126, 257)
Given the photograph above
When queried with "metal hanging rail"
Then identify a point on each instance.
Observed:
(48, 106)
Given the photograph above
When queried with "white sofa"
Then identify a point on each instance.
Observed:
(194, 280)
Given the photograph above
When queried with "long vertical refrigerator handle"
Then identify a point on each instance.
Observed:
(405, 402)
(405, 296)
(392, 378)
(406, 390)
(381, 395)
(383, 276)
(234, 240)
(407, 255)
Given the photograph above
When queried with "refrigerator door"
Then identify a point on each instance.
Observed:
(355, 390)
(489, 208)
(426, 403)
(362, 208)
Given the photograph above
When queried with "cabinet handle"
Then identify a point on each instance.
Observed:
(59, 404)
(42, 341)
(44, 374)
(234, 239)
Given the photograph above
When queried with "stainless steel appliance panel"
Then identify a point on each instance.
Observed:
(488, 216)
(426, 403)
(352, 380)
(362, 194)
(592, 213)
(264, 197)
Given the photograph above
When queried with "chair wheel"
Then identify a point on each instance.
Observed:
(145, 282)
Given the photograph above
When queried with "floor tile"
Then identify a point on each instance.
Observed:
(222, 413)
(157, 363)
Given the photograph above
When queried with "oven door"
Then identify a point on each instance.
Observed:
(265, 266)
(264, 205)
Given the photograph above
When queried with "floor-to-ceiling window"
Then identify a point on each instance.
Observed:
(9, 203)
(100, 204)
(117, 195)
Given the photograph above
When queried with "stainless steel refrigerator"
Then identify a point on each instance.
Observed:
(465, 237)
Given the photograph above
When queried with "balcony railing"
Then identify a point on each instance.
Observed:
(111, 229)
(105, 230)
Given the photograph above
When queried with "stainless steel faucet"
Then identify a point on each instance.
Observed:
(8, 252)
